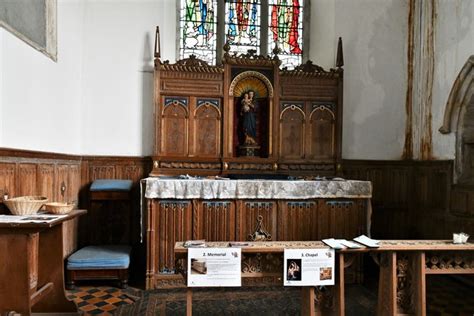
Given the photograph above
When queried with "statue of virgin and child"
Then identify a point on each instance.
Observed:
(248, 111)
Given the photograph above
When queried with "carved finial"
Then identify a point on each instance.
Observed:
(226, 48)
(157, 43)
(276, 50)
(339, 56)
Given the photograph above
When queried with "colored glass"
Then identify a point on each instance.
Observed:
(198, 24)
(286, 30)
(242, 25)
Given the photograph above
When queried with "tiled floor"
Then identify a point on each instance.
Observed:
(99, 300)
(445, 296)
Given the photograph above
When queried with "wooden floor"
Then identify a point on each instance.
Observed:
(446, 296)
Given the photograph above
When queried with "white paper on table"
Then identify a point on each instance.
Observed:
(34, 218)
(369, 242)
(349, 244)
(208, 267)
(333, 243)
(308, 267)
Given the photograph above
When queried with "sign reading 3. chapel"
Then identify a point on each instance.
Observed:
(308, 267)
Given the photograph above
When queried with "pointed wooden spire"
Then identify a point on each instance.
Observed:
(157, 43)
(339, 56)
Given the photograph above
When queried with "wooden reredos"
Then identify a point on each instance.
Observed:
(202, 125)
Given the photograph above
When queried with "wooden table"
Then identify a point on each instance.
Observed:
(32, 267)
(272, 260)
(404, 265)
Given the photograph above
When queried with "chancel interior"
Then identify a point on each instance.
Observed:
(260, 128)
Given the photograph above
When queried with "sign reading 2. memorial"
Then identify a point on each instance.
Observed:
(308, 267)
(214, 267)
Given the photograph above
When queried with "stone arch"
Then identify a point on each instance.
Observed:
(459, 118)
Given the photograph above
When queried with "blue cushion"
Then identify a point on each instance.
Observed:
(100, 257)
(111, 185)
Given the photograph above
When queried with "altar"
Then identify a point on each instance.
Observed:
(242, 210)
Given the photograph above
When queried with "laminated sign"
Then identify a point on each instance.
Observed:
(308, 267)
(209, 267)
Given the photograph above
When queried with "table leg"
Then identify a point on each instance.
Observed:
(387, 300)
(307, 301)
(51, 270)
(419, 283)
(340, 290)
(189, 301)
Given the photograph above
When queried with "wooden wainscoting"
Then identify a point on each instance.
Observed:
(56, 176)
(415, 199)
(64, 178)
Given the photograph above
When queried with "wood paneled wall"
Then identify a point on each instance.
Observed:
(415, 199)
(63, 178)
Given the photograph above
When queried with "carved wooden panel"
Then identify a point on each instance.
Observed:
(206, 133)
(62, 173)
(7, 179)
(322, 132)
(309, 91)
(132, 172)
(342, 218)
(46, 181)
(174, 127)
(74, 183)
(299, 221)
(292, 130)
(173, 223)
(27, 179)
(102, 172)
(214, 220)
(247, 216)
(192, 87)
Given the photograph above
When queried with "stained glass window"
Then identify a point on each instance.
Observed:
(242, 25)
(198, 25)
(286, 29)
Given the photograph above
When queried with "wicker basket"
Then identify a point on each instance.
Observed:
(58, 208)
(25, 205)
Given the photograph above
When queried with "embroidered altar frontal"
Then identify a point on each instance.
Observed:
(241, 210)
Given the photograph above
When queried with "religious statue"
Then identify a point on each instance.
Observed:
(249, 121)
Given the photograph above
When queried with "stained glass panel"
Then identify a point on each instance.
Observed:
(242, 25)
(198, 24)
(286, 28)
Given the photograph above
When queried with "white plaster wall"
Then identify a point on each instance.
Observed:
(1, 85)
(374, 33)
(118, 73)
(40, 98)
(323, 37)
(454, 43)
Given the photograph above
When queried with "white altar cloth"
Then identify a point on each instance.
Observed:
(171, 188)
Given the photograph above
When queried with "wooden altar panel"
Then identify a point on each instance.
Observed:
(174, 127)
(173, 223)
(292, 130)
(214, 220)
(247, 215)
(322, 133)
(206, 134)
(299, 220)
